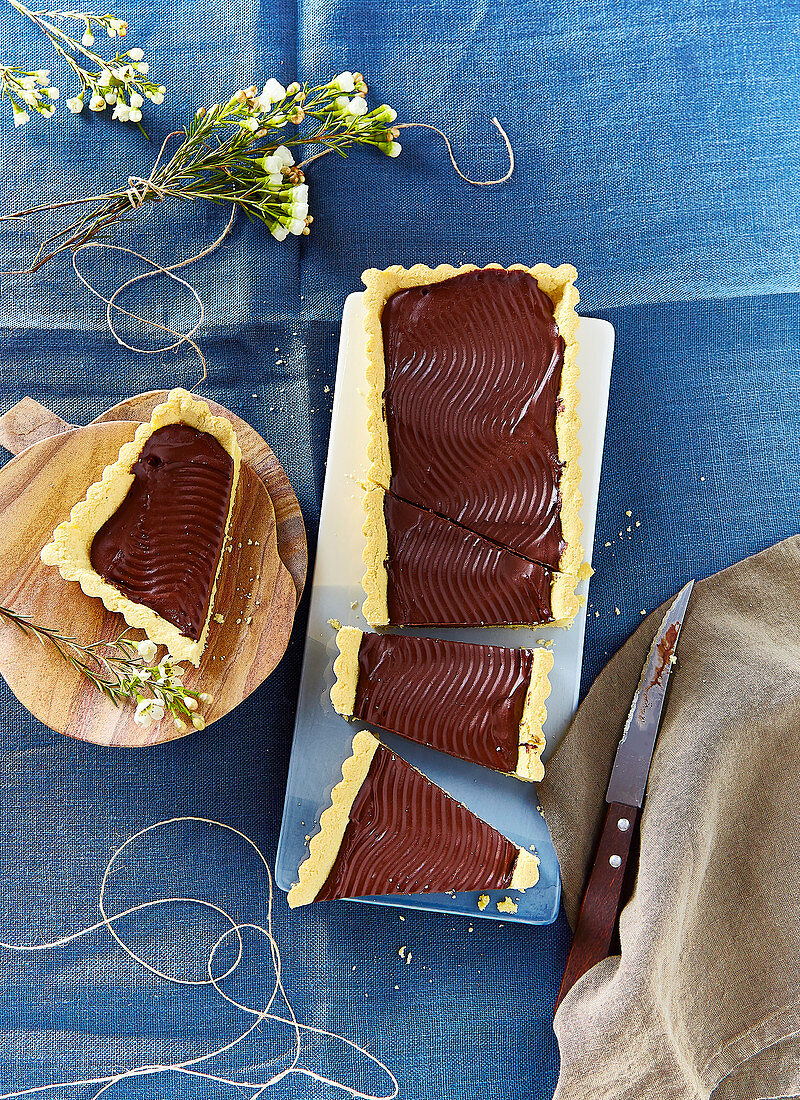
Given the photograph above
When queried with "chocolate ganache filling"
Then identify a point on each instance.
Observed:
(406, 836)
(473, 373)
(462, 699)
(440, 574)
(162, 546)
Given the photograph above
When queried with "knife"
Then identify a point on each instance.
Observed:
(625, 795)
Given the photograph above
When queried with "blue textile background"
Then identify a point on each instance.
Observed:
(658, 150)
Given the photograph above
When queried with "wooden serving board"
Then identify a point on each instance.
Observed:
(257, 594)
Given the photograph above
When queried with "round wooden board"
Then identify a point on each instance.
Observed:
(257, 595)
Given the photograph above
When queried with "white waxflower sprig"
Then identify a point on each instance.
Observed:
(121, 83)
(242, 152)
(124, 671)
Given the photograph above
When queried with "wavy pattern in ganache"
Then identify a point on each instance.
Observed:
(463, 699)
(406, 836)
(440, 574)
(473, 371)
(162, 546)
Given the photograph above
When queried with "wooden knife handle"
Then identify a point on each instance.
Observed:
(600, 905)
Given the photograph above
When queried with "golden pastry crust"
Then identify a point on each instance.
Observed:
(559, 285)
(70, 548)
(376, 579)
(345, 668)
(526, 871)
(531, 736)
(324, 846)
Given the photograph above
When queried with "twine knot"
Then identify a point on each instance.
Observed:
(139, 189)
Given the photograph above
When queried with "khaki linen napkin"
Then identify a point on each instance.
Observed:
(706, 993)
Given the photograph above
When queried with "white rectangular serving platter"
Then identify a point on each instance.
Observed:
(322, 739)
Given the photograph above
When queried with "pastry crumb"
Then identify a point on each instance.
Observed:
(402, 951)
(335, 624)
(483, 901)
(628, 512)
(616, 611)
(218, 618)
(408, 958)
(507, 905)
(402, 917)
(354, 604)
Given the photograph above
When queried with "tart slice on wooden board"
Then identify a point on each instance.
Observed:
(390, 830)
(485, 704)
(148, 537)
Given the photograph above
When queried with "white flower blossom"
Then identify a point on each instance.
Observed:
(345, 82)
(206, 697)
(105, 78)
(88, 38)
(110, 98)
(122, 112)
(357, 105)
(135, 115)
(21, 117)
(191, 704)
(54, 93)
(146, 649)
(142, 66)
(97, 103)
(273, 92)
(279, 232)
(136, 54)
(180, 725)
(75, 105)
(136, 100)
(198, 721)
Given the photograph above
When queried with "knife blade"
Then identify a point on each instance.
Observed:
(635, 751)
(626, 790)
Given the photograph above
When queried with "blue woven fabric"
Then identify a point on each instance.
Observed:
(658, 150)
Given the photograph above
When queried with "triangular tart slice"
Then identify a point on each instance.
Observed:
(390, 830)
(481, 703)
(148, 537)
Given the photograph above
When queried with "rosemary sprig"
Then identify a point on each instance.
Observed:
(121, 82)
(123, 671)
(238, 152)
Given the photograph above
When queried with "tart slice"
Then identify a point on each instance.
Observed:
(389, 830)
(473, 397)
(148, 537)
(425, 570)
(482, 703)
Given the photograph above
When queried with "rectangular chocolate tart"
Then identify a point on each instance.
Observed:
(390, 830)
(485, 704)
(424, 570)
(472, 404)
(147, 539)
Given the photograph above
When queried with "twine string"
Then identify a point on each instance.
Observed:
(475, 183)
(192, 1067)
(112, 307)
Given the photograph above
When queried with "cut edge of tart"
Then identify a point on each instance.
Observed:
(71, 545)
(324, 846)
(559, 285)
(564, 602)
(531, 732)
